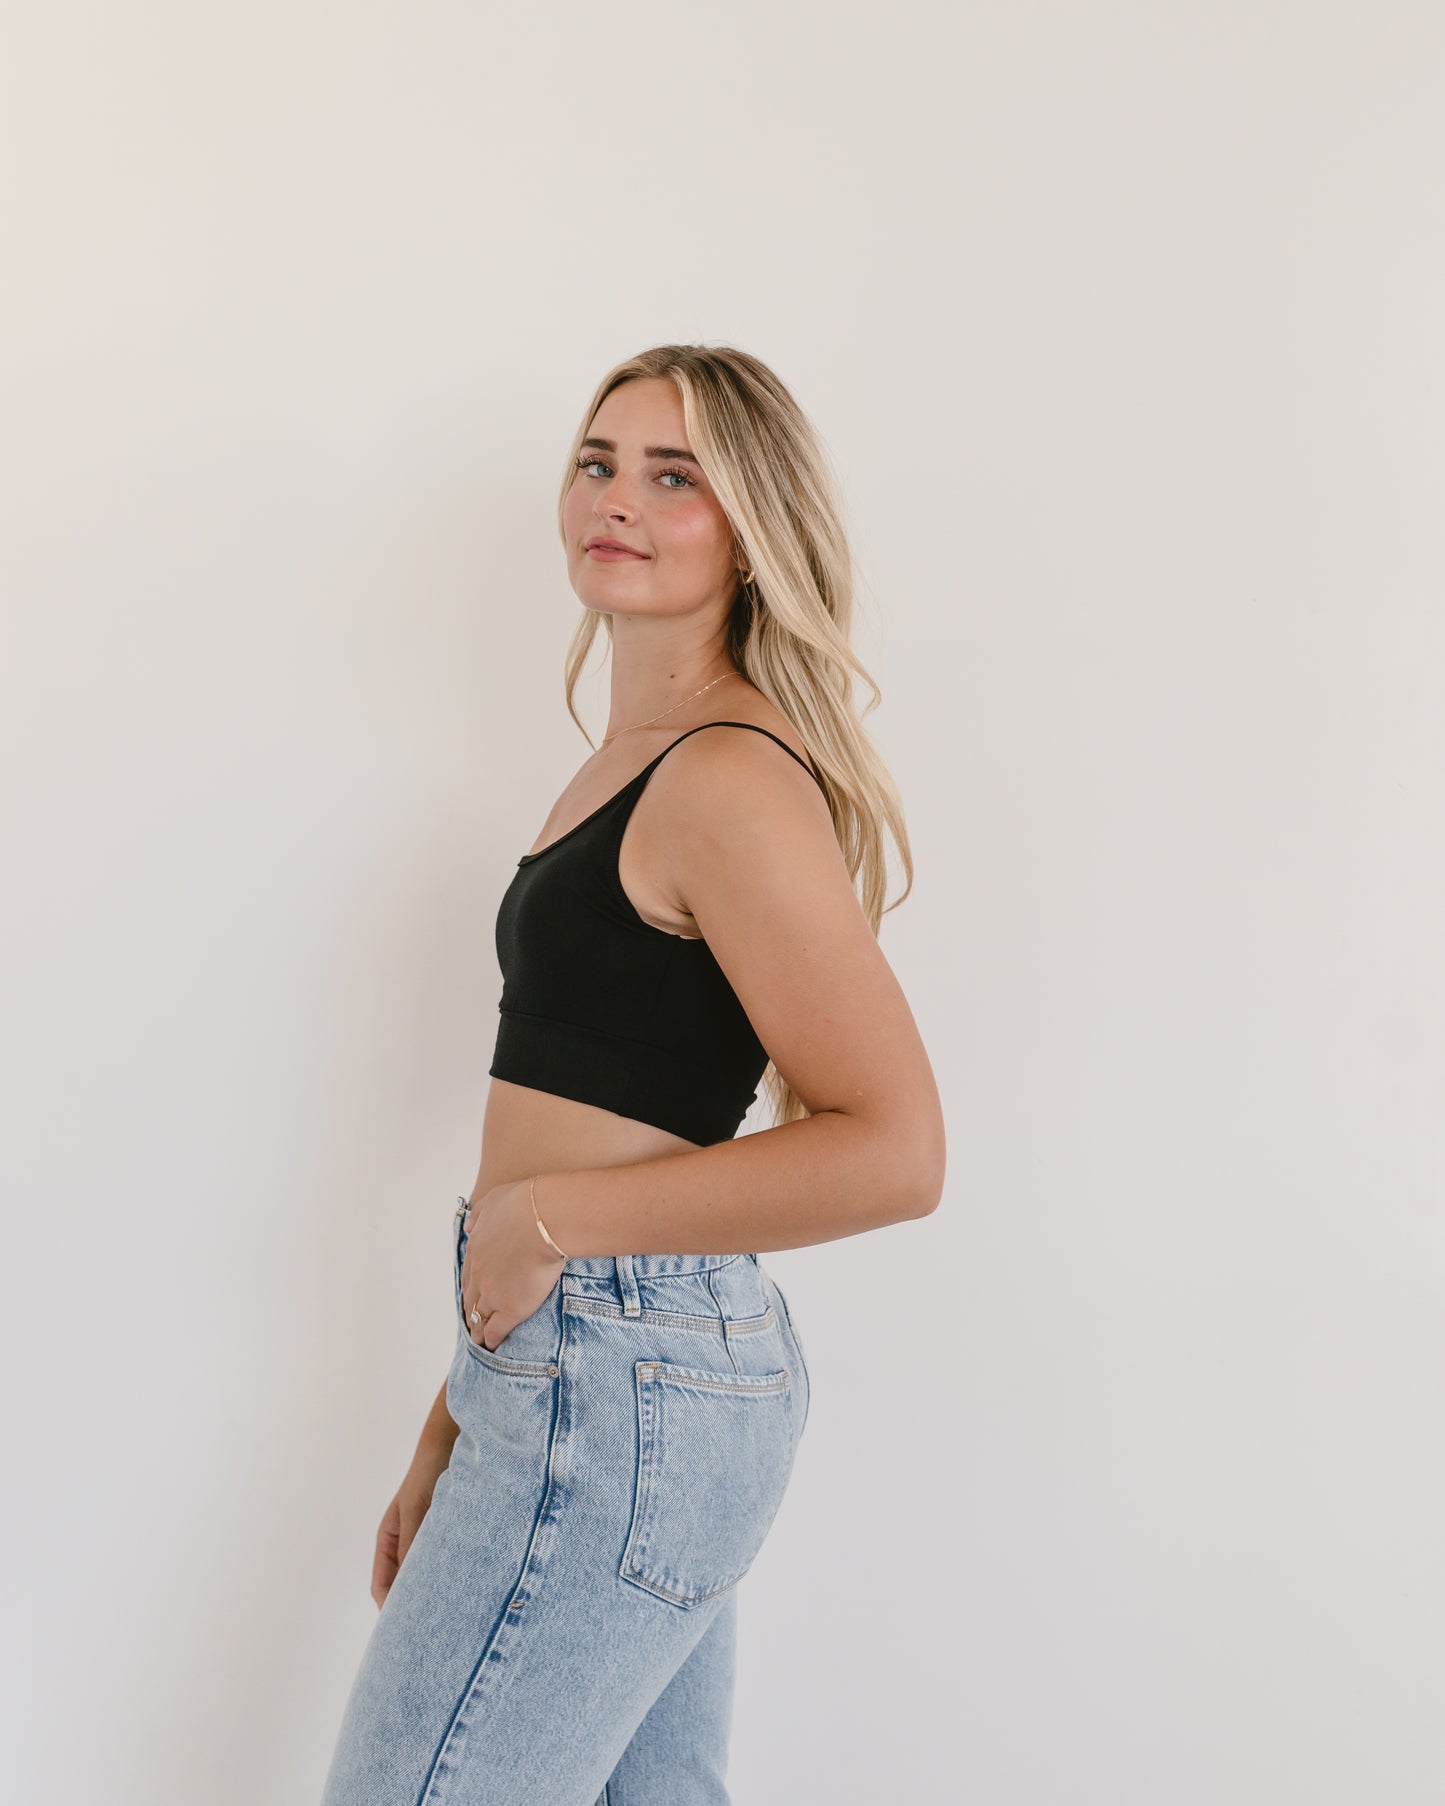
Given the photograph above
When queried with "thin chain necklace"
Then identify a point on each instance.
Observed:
(672, 710)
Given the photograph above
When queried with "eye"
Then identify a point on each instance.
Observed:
(590, 459)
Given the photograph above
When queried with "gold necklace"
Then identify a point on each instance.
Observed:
(662, 712)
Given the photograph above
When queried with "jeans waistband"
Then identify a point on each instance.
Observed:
(621, 1266)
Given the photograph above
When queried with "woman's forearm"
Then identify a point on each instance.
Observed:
(830, 1175)
(440, 1430)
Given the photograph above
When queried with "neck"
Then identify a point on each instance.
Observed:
(666, 685)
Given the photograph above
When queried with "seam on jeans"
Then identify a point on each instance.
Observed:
(673, 1373)
(503, 1619)
(711, 1326)
(727, 1340)
(602, 1266)
(500, 1363)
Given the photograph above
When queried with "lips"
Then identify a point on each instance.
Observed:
(612, 548)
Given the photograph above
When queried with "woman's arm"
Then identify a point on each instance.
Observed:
(440, 1430)
(803, 1182)
(751, 855)
(403, 1516)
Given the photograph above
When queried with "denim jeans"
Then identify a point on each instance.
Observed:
(561, 1631)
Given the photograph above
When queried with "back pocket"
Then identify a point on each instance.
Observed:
(714, 1454)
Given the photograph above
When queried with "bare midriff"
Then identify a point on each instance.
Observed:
(525, 1131)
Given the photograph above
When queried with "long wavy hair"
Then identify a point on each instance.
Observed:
(789, 629)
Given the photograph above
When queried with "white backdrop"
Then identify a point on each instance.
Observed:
(1123, 1479)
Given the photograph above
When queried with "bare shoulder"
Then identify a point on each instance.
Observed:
(735, 807)
(717, 796)
(730, 796)
(736, 766)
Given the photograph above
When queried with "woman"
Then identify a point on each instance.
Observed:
(558, 1572)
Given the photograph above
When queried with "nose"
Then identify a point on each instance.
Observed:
(613, 499)
(614, 507)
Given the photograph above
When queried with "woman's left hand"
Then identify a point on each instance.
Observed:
(507, 1269)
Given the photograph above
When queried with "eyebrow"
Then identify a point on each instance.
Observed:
(649, 451)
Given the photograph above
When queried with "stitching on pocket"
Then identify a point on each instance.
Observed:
(708, 1326)
(714, 1455)
(532, 1370)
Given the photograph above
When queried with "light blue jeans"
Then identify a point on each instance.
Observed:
(561, 1631)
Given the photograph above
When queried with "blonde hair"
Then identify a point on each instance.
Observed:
(789, 628)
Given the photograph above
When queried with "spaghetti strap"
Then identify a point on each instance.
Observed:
(755, 729)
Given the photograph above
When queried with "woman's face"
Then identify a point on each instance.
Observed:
(636, 483)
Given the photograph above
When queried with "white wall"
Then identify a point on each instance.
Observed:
(1123, 1480)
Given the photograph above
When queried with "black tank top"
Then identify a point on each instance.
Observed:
(601, 1006)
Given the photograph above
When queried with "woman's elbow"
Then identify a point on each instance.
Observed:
(927, 1138)
(922, 1165)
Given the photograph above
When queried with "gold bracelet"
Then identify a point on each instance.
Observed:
(540, 1224)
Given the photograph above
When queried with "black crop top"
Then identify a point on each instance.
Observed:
(601, 1006)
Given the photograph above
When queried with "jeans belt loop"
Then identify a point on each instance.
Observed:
(627, 1286)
